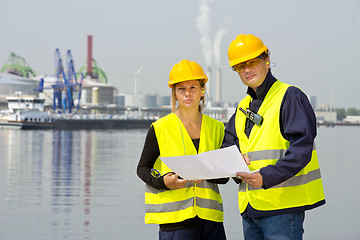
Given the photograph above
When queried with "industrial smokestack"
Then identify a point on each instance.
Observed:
(218, 87)
(208, 84)
(89, 55)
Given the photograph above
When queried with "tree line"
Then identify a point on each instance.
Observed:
(341, 113)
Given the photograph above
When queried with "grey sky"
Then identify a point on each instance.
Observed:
(315, 44)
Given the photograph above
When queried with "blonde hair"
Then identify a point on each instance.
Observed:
(173, 97)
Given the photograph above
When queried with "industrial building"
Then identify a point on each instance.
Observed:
(11, 83)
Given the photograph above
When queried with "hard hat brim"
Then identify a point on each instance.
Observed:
(172, 83)
(248, 57)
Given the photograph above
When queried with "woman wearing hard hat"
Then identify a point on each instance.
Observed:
(275, 127)
(184, 210)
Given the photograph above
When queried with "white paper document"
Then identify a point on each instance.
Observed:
(218, 163)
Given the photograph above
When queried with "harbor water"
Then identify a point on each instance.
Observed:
(83, 185)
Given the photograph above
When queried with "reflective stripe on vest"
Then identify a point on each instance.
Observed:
(181, 205)
(268, 154)
(204, 200)
(264, 147)
(292, 182)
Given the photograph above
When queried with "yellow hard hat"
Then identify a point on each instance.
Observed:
(244, 48)
(186, 70)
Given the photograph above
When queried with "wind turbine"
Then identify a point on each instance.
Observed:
(136, 97)
(136, 79)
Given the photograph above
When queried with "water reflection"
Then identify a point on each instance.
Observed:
(66, 184)
(83, 185)
(66, 179)
(87, 183)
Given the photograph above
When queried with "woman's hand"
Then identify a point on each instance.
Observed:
(172, 181)
(196, 181)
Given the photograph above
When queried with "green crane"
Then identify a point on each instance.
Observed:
(97, 72)
(18, 66)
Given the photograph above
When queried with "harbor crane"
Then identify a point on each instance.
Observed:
(66, 86)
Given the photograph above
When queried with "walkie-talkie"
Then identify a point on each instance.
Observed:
(253, 116)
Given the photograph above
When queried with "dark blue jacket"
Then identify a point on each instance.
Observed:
(297, 124)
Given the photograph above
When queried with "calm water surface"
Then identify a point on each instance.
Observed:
(83, 185)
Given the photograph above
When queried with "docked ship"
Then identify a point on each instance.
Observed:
(61, 101)
(76, 100)
(25, 112)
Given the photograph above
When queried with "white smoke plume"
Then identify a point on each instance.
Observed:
(203, 26)
(218, 38)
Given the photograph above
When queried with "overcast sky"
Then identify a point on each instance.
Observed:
(315, 45)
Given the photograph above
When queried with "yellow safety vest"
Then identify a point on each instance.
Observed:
(204, 199)
(264, 147)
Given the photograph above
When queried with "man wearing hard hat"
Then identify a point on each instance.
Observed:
(274, 127)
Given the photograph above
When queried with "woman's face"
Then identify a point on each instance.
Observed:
(189, 93)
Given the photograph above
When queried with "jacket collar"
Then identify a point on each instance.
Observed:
(263, 88)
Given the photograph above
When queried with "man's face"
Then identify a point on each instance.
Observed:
(253, 72)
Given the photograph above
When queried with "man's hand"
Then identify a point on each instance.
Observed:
(253, 179)
(172, 181)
